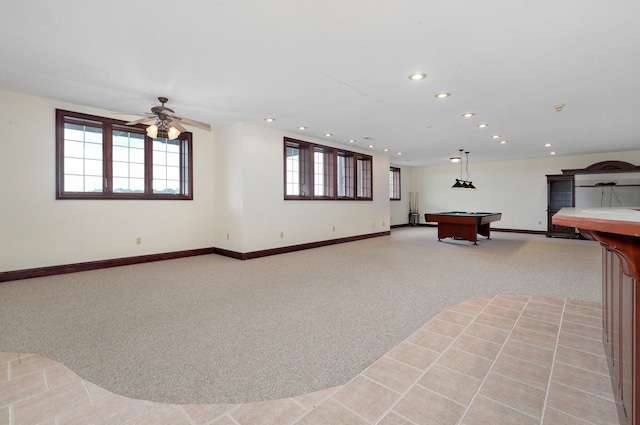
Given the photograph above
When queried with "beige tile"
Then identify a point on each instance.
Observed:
(366, 398)
(225, 420)
(503, 323)
(582, 330)
(22, 387)
(275, 412)
(4, 416)
(430, 340)
(547, 301)
(518, 396)
(525, 372)
(508, 303)
(542, 314)
(484, 411)
(596, 322)
(467, 363)
(588, 361)
(538, 339)
(555, 417)
(528, 352)
(59, 375)
(587, 304)
(584, 310)
(425, 407)
(114, 409)
(331, 412)
(392, 418)
(29, 364)
(500, 311)
(50, 404)
(392, 374)
(467, 308)
(146, 406)
(312, 400)
(413, 355)
(593, 346)
(4, 371)
(203, 414)
(514, 297)
(454, 385)
(583, 380)
(479, 347)
(455, 317)
(7, 357)
(95, 392)
(538, 326)
(582, 405)
(168, 414)
(488, 333)
(444, 328)
(480, 302)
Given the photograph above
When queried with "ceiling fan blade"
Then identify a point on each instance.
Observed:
(177, 125)
(141, 120)
(194, 123)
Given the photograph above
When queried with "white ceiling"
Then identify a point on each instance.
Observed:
(342, 66)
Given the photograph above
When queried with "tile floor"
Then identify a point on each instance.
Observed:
(508, 359)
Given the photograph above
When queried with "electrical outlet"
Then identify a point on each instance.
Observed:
(281, 235)
(138, 241)
(227, 236)
(383, 223)
(334, 228)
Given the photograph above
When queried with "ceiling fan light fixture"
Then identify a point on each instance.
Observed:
(152, 131)
(173, 133)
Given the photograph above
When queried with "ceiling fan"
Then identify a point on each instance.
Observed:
(165, 120)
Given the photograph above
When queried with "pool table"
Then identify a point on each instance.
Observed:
(463, 225)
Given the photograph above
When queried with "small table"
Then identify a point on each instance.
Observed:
(463, 225)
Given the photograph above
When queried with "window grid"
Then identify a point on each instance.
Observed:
(102, 158)
(345, 175)
(83, 165)
(394, 183)
(364, 177)
(331, 172)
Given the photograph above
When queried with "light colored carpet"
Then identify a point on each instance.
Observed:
(211, 329)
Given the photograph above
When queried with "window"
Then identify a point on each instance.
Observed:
(320, 172)
(394, 183)
(102, 158)
(364, 174)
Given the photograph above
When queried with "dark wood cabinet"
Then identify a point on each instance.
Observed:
(617, 230)
(560, 194)
(561, 191)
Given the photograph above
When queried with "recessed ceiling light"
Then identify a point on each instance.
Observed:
(371, 146)
(442, 95)
(546, 145)
(454, 159)
(503, 142)
(386, 149)
(552, 153)
(483, 125)
(399, 153)
(352, 140)
(418, 76)
(269, 119)
(302, 127)
(496, 136)
(468, 114)
(328, 134)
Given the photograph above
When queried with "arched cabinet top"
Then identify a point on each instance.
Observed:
(604, 167)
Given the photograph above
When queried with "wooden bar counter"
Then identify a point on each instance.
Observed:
(618, 231)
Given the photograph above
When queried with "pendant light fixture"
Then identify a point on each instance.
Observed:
(460, 183)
